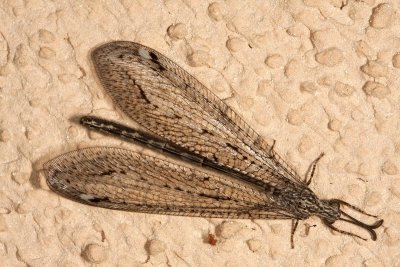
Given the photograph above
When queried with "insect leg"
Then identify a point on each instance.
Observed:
(311, 170)
(295, 223)
(271, 150)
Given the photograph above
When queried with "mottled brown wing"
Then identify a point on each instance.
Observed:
(168, 101)
(125, 180)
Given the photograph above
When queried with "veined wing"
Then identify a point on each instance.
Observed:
(168, 101)
(125, 180)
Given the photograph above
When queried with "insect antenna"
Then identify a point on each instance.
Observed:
(369, 227)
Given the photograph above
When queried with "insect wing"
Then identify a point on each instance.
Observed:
(168, 101)
(125, 180)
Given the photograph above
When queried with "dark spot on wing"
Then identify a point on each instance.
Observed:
(214, 197)
(161, 68)
(275, 191)
(232, 147)
(109, 172)
(157, 68)
(153, 56)
(142, 94)
(205, 131)
(139, 87)
(99, 199)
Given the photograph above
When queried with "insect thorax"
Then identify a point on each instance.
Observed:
(303, 203)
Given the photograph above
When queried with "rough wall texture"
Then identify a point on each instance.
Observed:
(316, 76)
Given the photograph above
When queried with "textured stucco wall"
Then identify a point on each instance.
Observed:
(316, 76)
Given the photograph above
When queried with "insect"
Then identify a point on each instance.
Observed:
(244, 178)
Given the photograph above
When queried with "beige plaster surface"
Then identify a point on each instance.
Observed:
(316, 76)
